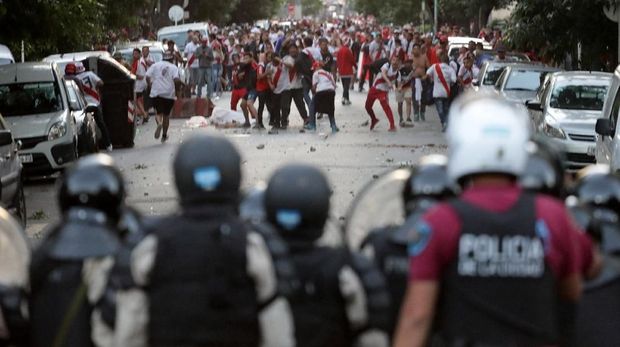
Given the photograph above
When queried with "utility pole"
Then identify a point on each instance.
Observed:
(436, 14)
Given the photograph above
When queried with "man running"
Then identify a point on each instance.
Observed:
(163, 77)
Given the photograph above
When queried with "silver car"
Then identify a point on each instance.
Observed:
(520, 82)
(566, 109)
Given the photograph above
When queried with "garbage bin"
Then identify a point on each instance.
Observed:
(117, 99)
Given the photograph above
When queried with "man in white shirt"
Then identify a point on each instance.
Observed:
(163, 78)
(278, 83)
(295, 91)
(443, 77)
(386, 80)
(468, 73)
(192, 61)
(377, 49)
(91, 86)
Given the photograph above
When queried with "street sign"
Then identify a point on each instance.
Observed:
(175, 13)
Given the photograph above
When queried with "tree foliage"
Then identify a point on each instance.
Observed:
(461, 12)
(247, 11)
(554, 27)
(51, 26)
(391, 11)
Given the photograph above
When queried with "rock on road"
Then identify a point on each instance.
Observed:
(350, 158)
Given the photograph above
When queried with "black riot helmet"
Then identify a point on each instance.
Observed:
(544, 171)
(428, 181)
(207, 169)
(93, 182)
(297, 202)
(598, 188)
(597, 192)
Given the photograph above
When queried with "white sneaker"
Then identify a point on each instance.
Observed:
(110, 148)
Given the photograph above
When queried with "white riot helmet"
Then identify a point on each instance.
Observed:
(486, 135)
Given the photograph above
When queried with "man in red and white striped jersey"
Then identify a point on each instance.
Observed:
(91, 86)
(385, 81)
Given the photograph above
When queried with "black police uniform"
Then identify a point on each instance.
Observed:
(598, 312)
(202, 286)
(479, 290)
(15, 252)
(215, 298)
(90, 197)
(297, 204)
(427, 185)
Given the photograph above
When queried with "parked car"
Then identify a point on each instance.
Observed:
(566, 109)
(6, 57)
(489, 74)
(178, 33)
(607, 149)
(519, 83)
(85, 120)
(11, 186)
(156, 50)
(35, 103)
(117, 97)
(489, 55)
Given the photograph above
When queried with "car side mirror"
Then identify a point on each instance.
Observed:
(476, 83)
(605, 127)
(74, 106)
(533, 105)
(6, 138)
(91, 108)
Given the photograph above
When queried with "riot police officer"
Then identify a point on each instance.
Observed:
(598, 315)
(427, 185)
(14, 283)
(329, 309)
(544, 170)
(69, 269)
(498, 265)
(204, 277)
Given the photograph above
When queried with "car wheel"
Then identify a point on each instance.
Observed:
(19, 203)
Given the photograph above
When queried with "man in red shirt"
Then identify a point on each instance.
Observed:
(497, 266)
(346, 64)
(431, 52)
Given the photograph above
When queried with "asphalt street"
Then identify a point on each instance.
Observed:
(350, 158)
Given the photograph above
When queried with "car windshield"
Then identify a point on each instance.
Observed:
(526, 80)
(572, 95)
(21, 99)
(492, 75)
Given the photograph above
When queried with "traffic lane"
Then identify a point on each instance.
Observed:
(350, 158)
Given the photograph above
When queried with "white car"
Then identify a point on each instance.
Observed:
(566, 110)
(6, 57)
(156, 50)
(178, 33)
(607, 149)
(35, 103)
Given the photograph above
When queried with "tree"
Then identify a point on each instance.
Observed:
(52, 26)
(248, 11)
(391, 11)
(461, 12)
(554, 27)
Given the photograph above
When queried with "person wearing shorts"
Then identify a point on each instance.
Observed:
(163, 77)
(247, 102)
(404, 93)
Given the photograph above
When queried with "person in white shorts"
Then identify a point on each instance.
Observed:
(404, 93)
